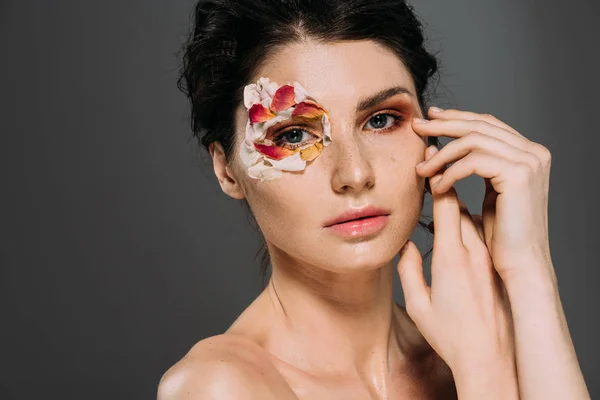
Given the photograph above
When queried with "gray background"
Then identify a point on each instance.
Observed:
(119, 251)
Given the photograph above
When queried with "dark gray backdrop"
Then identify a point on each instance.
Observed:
(119, 251)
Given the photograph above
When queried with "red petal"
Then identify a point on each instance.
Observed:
(283, 98)
(308, 110)
(259, 113)
(274, 152)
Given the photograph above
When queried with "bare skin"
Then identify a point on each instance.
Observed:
(248, 350)
(327, 326)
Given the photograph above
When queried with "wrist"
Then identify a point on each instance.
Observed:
(532, 279)
(532, 273)
(494, 381)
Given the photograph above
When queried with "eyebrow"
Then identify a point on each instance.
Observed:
(381, 96)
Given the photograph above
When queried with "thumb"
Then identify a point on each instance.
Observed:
(410, 269)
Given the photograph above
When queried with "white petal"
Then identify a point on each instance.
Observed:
(251, 95)
(291, 163)
(249, 131)
(300, 94)
(267, 88)
(326, 129)
(249, 155)
(266, 102)
(281, 116)
(263, 172)
(259, 131)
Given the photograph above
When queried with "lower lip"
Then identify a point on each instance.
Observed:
(361, 227)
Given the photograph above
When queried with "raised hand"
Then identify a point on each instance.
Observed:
(463, 315)
(515, 225)
(516, 171)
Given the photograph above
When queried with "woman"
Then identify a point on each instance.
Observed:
(314, 113)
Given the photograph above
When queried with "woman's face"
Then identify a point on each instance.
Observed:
(369, 163)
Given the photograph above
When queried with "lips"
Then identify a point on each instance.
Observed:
(351, 215)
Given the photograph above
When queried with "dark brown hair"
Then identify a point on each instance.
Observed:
(231, 39)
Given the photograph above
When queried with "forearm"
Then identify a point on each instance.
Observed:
(547, 364)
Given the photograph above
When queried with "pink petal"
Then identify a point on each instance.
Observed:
(284, 98)
(274, 152)
(308, 109)
(259, 113)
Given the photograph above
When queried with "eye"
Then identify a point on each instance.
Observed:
(294, 138)
(379, 121)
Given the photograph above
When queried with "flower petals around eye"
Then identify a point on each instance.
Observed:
(248, 155)
(292, 163)
(300, 94)
(259, 113)
(260, 128)
(283, 99)
(308, 109)
(326, 129)
(251, 95)
(267, 88)
(274, 152)
(310, 153)
(269, 104)
(281, 116)
(263, 171)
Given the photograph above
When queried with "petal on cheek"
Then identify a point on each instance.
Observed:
(283, 99)
(274, 152)
(292, 163)
(311, 152)
(259, 113)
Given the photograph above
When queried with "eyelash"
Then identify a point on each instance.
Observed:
(397, 118)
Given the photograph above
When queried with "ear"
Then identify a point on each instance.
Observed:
(228, 183)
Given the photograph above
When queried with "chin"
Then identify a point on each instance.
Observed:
(360, 255)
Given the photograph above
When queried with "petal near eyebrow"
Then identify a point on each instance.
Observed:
(283, 99)
(259, 113)
(308, 109)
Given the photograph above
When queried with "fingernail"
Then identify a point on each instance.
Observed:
(432, 150)
(436, 109)
(420, 120)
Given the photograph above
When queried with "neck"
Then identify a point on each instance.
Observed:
(340, 323)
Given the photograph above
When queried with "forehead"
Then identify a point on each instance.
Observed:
(336, 74)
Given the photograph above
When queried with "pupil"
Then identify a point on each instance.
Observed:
(294, 136)
(380, 118)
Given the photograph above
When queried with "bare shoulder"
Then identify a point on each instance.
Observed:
(225, 367)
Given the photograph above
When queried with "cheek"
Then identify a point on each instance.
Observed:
(395, 165)
(279, 203)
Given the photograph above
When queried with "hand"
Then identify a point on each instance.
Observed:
(465, 315)
(516, 172)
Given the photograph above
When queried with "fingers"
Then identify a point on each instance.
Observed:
(446, 211)
(453, 221)
(470, 235)
(473, 142)
(478, 220)
(416, 291)
(458, 114)
(489, 211)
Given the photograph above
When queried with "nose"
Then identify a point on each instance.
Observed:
(352, 171)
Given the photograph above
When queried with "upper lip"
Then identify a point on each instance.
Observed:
(349, 215)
